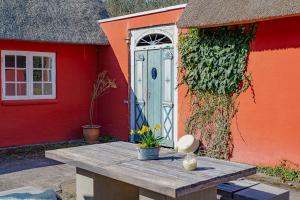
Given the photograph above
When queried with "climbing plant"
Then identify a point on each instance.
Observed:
(214, 62)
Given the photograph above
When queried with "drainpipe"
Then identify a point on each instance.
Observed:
(97, 71)
(128, 101)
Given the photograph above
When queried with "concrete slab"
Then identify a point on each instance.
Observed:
(22, 190)
(262, 192)
(226, 190)
(45, 177)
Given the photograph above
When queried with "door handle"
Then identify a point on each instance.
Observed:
(149, 94)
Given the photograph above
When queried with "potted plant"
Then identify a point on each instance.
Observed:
(149, 143)
(91, 132)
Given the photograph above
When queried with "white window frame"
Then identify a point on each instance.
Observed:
(29, 74)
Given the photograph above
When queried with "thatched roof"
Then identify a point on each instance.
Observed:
(68, 21)
(211, 13)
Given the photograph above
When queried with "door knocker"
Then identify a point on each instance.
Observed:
(154, 73)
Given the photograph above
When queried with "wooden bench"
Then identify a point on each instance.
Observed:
(246, 189)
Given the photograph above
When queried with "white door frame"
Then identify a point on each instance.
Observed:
(172, 32)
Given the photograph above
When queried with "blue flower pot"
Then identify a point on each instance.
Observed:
(148, 154)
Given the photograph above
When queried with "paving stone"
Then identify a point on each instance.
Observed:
(21, 190)
(262, 192)
(42, 177)
(226, 190)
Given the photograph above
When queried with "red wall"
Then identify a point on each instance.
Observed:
(265, 132)
(114, 113)
(268, 131)
(30, 122)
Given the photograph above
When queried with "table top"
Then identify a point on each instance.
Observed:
(118, 160)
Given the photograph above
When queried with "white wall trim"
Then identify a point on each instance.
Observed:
(176, 66)
(142, 13)
(132, 73)
(135, 34)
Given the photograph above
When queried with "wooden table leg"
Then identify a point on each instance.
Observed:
(207, 194)
(91, 186)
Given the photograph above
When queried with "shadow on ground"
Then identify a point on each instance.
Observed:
(10, 166)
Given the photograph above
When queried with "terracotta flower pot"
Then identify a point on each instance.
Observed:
(91, 133)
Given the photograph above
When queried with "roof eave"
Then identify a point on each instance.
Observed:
(139, 14)
(184, 26)
(59, 42)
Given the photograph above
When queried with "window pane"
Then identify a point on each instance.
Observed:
(21, 75)
(47, 75)
(37, 89)
(10, 89)
(21, 89)
(9, 75)
(47, 63)
(21, 61)
(37, 75)
(37, 62)
(47, 89)
(9, 61)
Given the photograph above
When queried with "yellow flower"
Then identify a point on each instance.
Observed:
(132, 132)
(148, 129)
(157, 127)
(145, 129)
(141, 132)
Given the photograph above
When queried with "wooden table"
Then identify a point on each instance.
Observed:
(111, 171)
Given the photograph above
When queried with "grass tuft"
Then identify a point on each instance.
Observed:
(282, 172)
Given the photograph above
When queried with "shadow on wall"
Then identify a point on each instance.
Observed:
(277, 34)
(113, 109)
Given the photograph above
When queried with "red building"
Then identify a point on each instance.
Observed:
(45, 96)
(49, 60)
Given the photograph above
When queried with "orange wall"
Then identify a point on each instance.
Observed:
(268, 131)
(265, 132)
(115, 121)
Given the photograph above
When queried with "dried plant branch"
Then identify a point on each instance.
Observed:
(102, 84)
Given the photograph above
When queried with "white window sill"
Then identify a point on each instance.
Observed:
(28, 102)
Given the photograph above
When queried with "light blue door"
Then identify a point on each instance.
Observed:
(154, 91)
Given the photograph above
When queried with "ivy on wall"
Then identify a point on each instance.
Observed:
(214, 62)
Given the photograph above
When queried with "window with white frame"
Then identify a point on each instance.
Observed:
(28, 75)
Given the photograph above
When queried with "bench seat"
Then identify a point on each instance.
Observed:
(250, 190)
